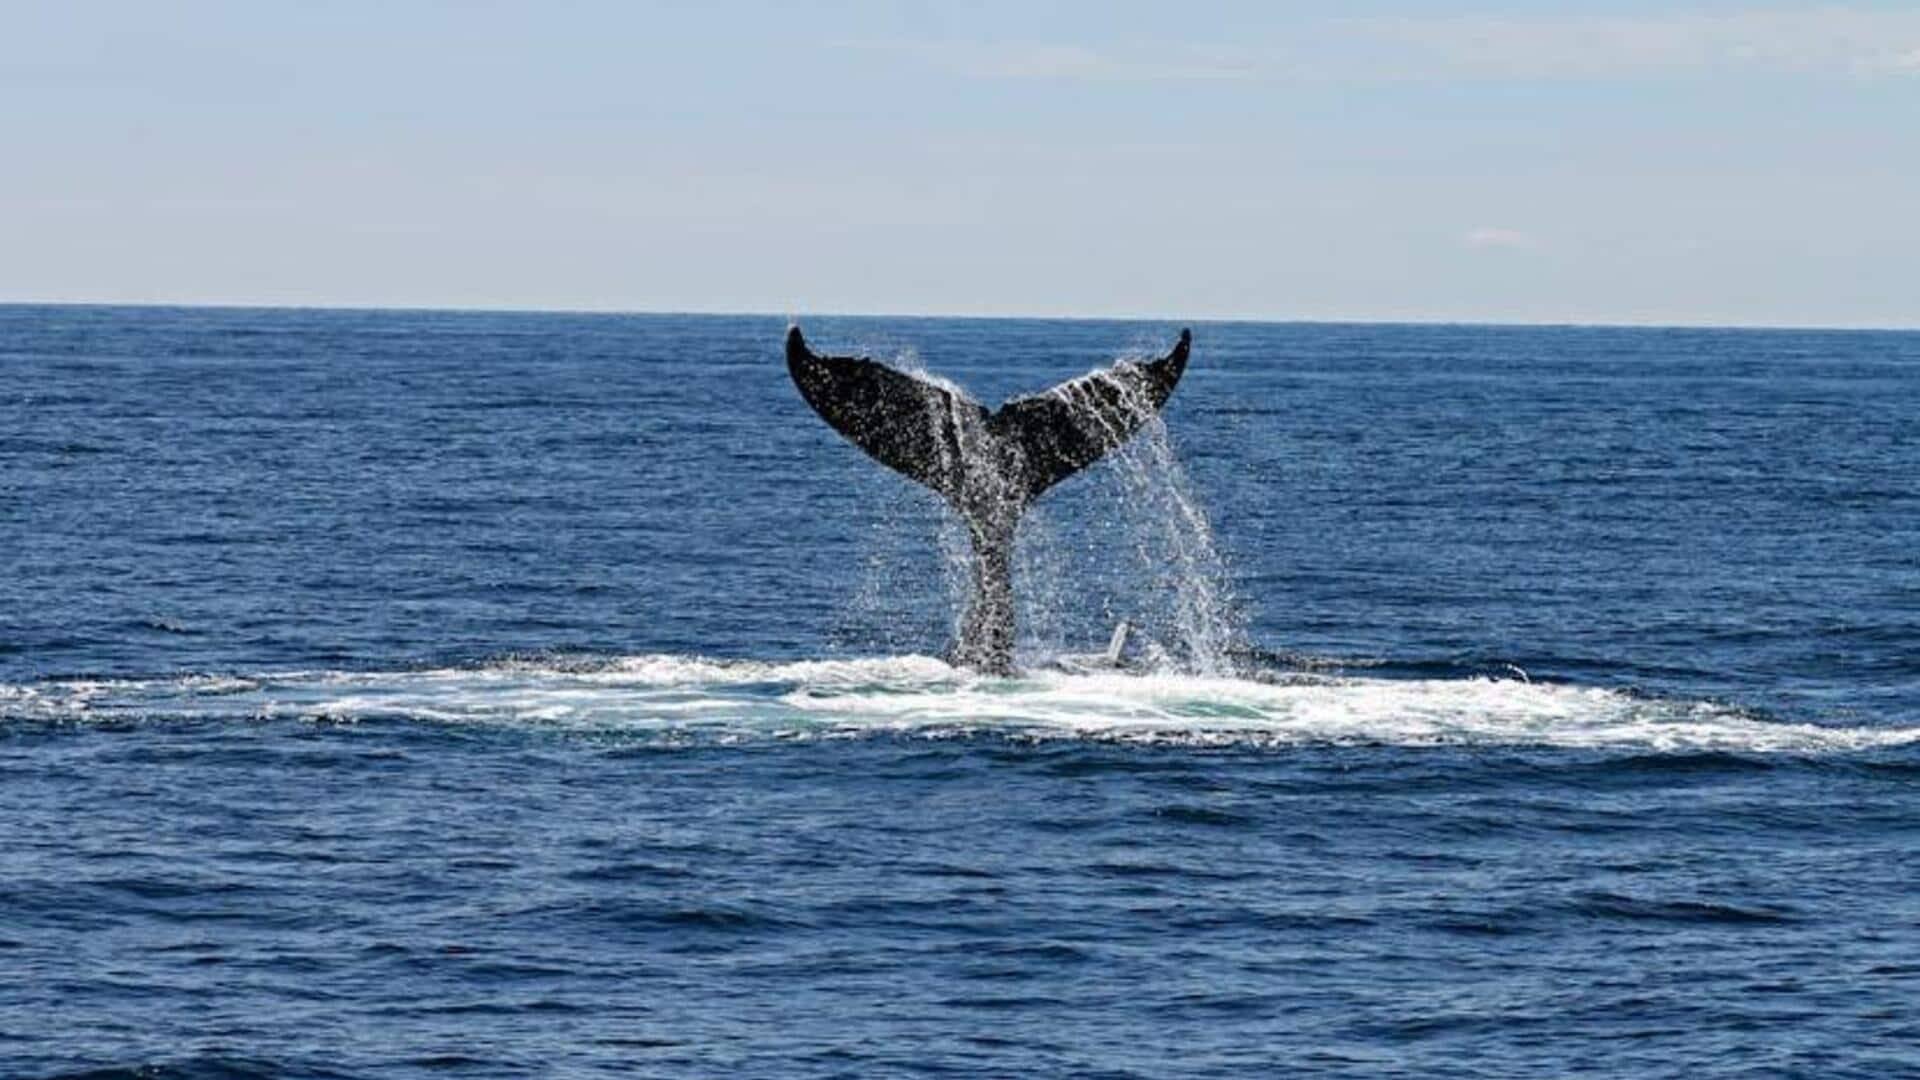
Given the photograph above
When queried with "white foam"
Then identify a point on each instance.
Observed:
(922, 695)
(664, 670)
(1423, 712)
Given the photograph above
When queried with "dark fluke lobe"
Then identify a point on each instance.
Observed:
(988, 465)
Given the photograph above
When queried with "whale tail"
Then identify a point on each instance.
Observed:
(988, 464)
(938, 436)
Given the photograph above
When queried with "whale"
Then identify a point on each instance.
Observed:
(988, 464)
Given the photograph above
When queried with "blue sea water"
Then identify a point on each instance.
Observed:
(411, 693)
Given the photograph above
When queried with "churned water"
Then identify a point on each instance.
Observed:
(409, 693)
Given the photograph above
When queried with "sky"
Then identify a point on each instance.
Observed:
(1653, 163)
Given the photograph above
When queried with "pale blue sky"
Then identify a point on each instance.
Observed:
(1631, 162)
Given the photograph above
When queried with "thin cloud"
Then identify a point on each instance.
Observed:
(1835, 41)
(1906, 63)
(1830, 42)
(1060, 62)
(1488, 237)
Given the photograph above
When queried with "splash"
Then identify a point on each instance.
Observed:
(1131, 543)
(677, 699)
(1172, 541)
(1159, 566)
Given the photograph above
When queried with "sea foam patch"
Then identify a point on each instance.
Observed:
(921, 695)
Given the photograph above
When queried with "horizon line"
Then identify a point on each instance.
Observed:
(1267, 320)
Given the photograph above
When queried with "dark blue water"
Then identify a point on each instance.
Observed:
(403, 694)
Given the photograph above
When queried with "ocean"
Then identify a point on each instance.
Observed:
(401, 694)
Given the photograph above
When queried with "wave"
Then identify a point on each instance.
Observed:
(692, 696)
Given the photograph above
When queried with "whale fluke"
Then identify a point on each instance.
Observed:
(908, 424)
(988, 464)
(1065, 429)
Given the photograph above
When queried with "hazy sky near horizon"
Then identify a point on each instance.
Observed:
(1631, 162)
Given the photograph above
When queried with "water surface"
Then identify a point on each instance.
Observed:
(409, 693)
